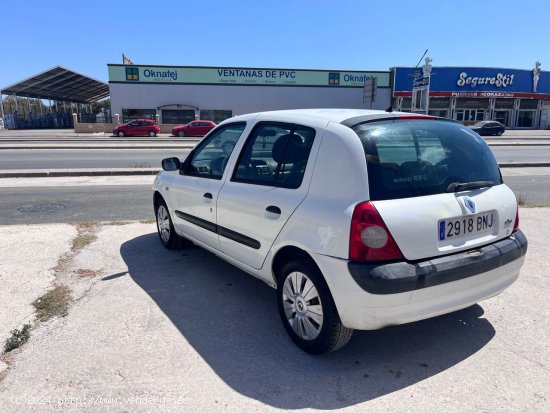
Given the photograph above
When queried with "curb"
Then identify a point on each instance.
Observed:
(78, 172)
(524, 164)
(178, 145)
(40, 173)
(81, 147)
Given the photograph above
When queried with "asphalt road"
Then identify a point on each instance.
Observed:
(36, 205)
(86, 158)
(28, 201)
(129, 158)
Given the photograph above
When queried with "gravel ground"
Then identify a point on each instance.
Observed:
(184, 331)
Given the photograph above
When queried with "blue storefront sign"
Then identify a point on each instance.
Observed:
(476, 82)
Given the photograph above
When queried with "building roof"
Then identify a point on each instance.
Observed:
(60, 84)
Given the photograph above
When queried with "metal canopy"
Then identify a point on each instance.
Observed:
(60, 84)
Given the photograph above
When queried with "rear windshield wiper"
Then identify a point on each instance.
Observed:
(464, 186)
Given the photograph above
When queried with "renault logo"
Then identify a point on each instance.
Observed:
(469, 204)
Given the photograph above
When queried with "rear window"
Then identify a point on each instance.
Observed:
(409, 158)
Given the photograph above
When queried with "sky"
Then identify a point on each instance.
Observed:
(341, 35)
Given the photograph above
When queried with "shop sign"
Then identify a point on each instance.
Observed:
(500, 80)
(472, 104)
(477, 81)
(243, 76)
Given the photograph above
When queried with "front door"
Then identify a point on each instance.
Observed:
(132, 128)
(267, 185)
(194, 192)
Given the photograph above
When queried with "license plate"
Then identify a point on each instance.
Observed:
(460, 227)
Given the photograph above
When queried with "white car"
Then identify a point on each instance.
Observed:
(360, 219)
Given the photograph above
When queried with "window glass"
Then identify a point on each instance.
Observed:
(275, 155)
(210, 158)
(216, 116)
(177, 116)
(129, 114)
(415, 158)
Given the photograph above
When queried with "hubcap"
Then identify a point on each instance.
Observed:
(302, 305)
(163, 223)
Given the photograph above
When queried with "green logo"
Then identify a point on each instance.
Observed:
(132, 74)
(334, 78)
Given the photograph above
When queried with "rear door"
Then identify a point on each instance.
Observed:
(436, 185)
(194, 128)
(203, 128)
(143, 127)
(194, 192)
(266, 186)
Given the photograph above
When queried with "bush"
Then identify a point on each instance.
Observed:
(18, 338)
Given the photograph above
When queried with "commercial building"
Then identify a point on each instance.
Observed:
(516, 98)
(179, 94)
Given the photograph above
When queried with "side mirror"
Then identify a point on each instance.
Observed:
(171, 164)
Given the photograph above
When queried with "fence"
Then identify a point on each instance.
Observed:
(102, 117)
(55, 120)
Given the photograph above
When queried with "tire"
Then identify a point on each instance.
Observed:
(227, 147)
(181, 133)
(121, 133)
(499, 133)
(152, 133)
(311, 320)
(165, 227)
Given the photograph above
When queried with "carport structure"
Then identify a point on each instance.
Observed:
(57, 84)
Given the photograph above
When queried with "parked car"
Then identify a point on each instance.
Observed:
(359, 219)
(195, 128)
(145, 127)
(489, 127)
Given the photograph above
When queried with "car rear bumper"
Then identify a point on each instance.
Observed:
(441, 285)
(403, 276)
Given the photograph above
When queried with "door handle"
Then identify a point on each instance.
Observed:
(208, 195)
(274, 209)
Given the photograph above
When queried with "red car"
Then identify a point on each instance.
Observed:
(195, 128)
(137, 127)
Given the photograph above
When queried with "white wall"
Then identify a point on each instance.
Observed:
(240, 99)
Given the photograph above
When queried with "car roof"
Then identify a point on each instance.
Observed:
(348, 117)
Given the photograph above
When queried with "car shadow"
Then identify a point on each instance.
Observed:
(231, 320)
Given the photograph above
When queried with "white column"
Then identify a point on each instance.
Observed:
(492, 105)
(515, 120)
(15, 98)
(2, 105)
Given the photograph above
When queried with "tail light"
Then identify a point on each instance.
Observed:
(370, 239)
(516, 224)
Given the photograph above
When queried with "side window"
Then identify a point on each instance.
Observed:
(210, 158)
(275, 155)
